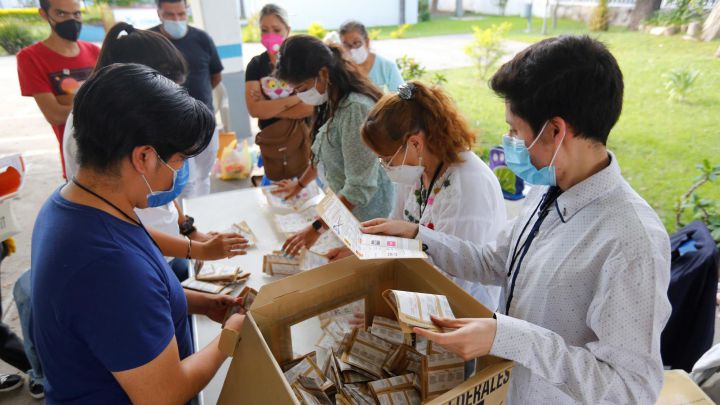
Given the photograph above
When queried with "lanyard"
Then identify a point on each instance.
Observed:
(106, 201)
(426, 196)
(519, 252)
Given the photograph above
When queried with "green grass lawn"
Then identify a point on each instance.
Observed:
(448, 25)
(657, 142)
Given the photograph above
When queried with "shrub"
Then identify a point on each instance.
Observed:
(703, 209)
(400, 31)
(251, 30)
(317, 30)
(600, 18)
(409, 68)
(14, 36)
(684, 11)
(439, 79)
(486, 49)
(424, 10)
(680, 83)
(374, 34)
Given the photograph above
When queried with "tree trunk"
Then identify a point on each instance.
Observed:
(459, 11)
(643, 9)
(711, 28)
(242, 10)
(434, 6)
(402, 12)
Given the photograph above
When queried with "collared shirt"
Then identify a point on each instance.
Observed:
(467, 202)
(348, 166)
(590, 299)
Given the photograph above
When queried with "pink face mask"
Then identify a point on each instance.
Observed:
(272, 42)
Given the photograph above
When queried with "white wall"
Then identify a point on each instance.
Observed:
(513, 8)
(332, 13)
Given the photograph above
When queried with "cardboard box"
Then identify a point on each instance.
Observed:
(255, 376)
(680, 389)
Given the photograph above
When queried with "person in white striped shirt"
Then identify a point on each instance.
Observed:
(585, 268)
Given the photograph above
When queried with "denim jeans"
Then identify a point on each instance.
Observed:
(22, 293)
(181, 268)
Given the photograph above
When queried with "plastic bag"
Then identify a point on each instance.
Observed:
(235, 162)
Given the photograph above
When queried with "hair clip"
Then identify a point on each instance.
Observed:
(126, 31)
(406, 91)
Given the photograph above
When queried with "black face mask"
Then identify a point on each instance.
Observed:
(68, 30)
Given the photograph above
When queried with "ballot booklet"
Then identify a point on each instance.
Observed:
(279, 263)
(344, 224)
(414, 309)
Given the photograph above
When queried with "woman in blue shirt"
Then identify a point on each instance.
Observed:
(110, 318)
(382, 72)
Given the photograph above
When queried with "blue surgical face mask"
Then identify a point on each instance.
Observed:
(517, 158)
(180, 179)
(176, 29)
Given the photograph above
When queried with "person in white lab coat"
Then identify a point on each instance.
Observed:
(585, 268)
(425, 144)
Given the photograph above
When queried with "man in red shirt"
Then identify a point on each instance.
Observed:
(51, 71)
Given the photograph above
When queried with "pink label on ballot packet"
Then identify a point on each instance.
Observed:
(391, 243)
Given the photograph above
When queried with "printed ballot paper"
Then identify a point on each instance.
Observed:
(244, 230)
(414, 309)
(295, 203)
(344, 224)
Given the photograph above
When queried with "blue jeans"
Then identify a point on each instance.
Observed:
(181, 268)
(22, 293)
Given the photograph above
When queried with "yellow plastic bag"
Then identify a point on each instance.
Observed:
(235, 162)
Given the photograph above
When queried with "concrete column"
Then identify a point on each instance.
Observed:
(221, 20)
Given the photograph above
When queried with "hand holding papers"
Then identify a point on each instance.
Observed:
(342, 222)
(414, 309)
(244, 230)
(278, 263)
(294, 203)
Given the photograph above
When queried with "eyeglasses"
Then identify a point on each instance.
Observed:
(385, 162)
(354, 45)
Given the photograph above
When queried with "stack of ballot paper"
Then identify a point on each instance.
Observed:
(382, 364)
(215, 278)
(279, 263)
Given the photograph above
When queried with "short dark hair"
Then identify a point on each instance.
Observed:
(573, 77)
(159, 2)
(354, 26)
(125, 44)
(123, 106)
(45, 4)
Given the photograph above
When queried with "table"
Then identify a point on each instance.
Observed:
(216, 212)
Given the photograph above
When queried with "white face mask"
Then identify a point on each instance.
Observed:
(313, 96)
(403, 174)
(176, 29)
(359, 55)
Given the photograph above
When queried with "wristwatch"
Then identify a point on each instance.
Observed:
(187, 227)
(318, 226)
